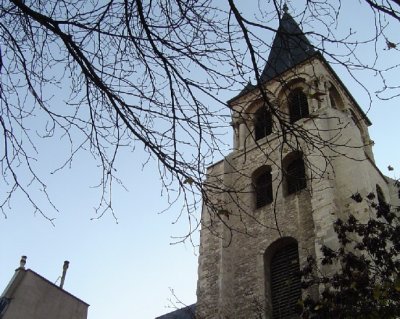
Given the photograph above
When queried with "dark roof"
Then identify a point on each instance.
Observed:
(290, 47)
(247, 88)
(184, 313)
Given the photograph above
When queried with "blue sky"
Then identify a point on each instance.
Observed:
(120, 269)
(125, 269)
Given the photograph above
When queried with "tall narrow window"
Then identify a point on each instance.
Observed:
(262, 123)
(263, 188)
(3, 305)
(332, 100)
(298, 105)
(383, 206)
(295, 176)
(285, 282)
(381, 197)
(335, 99)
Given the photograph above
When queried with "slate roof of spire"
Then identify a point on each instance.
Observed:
(290, 47)
(184, 313)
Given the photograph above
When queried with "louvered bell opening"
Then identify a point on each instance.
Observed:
(295, 176)
(263, 189)
(298, 105)
(285, 282)
(262, 123)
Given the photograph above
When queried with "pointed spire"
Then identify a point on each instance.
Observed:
(290, 47)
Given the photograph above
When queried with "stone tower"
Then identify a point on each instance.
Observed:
(272, 201)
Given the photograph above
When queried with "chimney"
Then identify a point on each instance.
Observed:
(22, 262)
(65, 267)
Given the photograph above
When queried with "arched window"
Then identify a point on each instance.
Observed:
(298, 105)
(285, 281)
(262, 123)
(295, 175)
(262, 182)
(334, 98)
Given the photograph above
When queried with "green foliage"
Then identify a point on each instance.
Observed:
(366, 280)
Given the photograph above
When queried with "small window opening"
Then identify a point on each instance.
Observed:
(333, 103)
(285, 282)
(334, 98)
(263, 189)
(4, 302)
(381, 197)
(383, 206)
(262, 123)
(295, 176)
(298, 105)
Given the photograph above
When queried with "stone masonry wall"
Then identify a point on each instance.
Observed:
(233, 281)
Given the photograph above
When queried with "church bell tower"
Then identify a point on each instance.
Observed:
(301, 149)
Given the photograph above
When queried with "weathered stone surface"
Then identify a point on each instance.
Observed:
(233, 274)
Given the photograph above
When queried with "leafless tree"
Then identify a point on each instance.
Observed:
(147, 74)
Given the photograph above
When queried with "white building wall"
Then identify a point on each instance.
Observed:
(34, 297)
